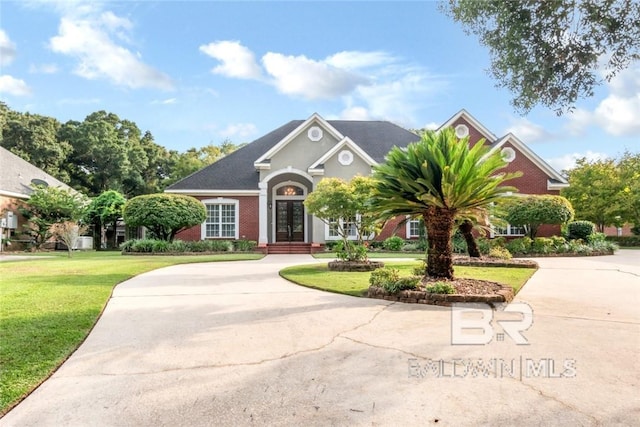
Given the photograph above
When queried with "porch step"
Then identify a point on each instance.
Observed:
(288, 248)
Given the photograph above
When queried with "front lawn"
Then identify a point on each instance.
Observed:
(318, 276)
(48, 306)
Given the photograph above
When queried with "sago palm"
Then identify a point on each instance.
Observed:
(439, 178)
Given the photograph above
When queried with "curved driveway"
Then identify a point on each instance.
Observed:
(234, 344)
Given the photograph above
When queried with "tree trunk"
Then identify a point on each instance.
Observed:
(440, 224)
(466, 228)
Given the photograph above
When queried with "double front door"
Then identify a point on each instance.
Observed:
(289, 221)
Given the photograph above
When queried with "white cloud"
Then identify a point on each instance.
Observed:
(90, 40)
(568, 161)
(527, 131)
(354, 60)
(618, 113)
(310, 79)
(432, 126)
(13, 86)
(242, 130)
(7, 49)
(168, 101)
(355, 113)
(237, 60)
(43, 69)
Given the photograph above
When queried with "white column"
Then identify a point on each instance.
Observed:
(263, 212)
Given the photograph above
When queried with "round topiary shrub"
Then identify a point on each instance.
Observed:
(393, 243)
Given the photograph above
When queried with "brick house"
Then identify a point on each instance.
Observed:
(258, 191)
(16, 177)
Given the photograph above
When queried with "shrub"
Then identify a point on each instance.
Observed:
(126, 246)
(376, 244)
(393, 243)
(160, 246)
(244, 245)
(143, 245)
(596, 238)
(441, 288)
(353, 252)
(534, 210)
(384, 276)
(542, 245)
(197, 246)
(178, 246)
(484, 245)
(410, 247)
(403, 283)
(625, 240)
(458, 244)
(500, 253)
(219, 245)
(580, 230)
(420, 270)
(521, 245)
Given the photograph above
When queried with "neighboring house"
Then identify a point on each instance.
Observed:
(16, 177)
(257, 192)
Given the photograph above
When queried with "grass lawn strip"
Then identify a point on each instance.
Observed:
(318, 276)
(49, 305)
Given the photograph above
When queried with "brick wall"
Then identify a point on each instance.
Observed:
(12, 204)
(391, 228)
(248, 219)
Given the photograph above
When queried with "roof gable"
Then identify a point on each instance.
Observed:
(262, 161)
(315, 168)
(464, 114)
(554, 175)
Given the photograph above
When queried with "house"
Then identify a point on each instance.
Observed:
(258, 191)
(16, 178)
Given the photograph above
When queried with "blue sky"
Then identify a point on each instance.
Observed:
(195, 73)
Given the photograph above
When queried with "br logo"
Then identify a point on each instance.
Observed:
(474, 323)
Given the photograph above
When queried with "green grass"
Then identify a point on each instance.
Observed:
(416, 255)
(318, 276)
(48, 306)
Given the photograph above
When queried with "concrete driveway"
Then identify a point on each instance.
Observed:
(234, 344)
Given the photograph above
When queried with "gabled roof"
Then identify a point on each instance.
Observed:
(315, 168)
(16, 175)
(556, 180)
(489, 136)
(237, 172)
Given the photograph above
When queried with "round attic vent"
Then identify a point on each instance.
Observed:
(315, 134)
(462, 131)
(345, 157)
(508, 154)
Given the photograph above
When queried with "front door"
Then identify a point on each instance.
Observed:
(289, 221)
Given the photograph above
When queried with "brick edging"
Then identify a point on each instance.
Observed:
(505, 294)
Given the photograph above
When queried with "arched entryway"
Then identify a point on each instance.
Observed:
(289, 213)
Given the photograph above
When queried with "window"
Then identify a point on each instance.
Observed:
(350, 225)
(509, 230)
(415, 228)
(222, 219)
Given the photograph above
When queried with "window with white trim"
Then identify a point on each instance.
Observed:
(509, 230)
(222, 219)
(415, 228)
(350, 225)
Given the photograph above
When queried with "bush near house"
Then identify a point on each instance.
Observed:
(156, 246)
(625, 241)
(580, 230)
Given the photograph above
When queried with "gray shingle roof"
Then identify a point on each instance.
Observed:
(237, 172)
(16, 175)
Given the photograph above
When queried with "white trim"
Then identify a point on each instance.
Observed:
(12, 194)
(220, 201)
(315, 117)
(215, 192)
(314, 169)
(556, 185)
(275, 197)
(472, 121)
(288, 169)
(537, 160)
(509, 233)
(263, 211)
(407, 232)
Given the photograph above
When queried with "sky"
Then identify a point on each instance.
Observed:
(199, 72)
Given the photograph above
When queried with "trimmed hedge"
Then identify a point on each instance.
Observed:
(156, 246)
(628, 241)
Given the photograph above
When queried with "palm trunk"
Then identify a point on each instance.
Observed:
(439, 223)
(466, 228)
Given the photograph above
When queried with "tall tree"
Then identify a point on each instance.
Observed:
(34, 138)
(106, 209)
(439, 178)
(629, 172)
(552, 52)
(194, 159)
(594, 191)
